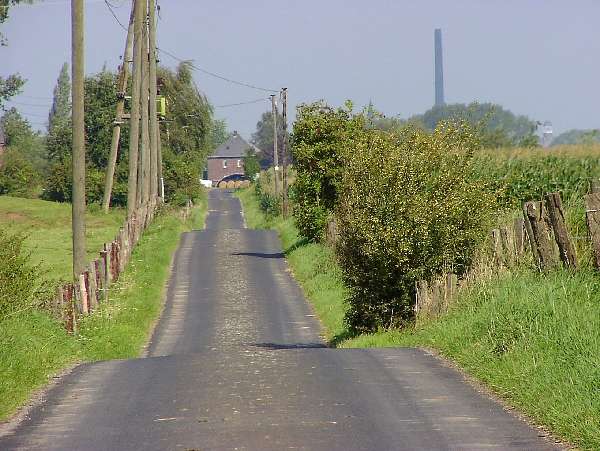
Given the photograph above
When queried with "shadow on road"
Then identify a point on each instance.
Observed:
(260, 254)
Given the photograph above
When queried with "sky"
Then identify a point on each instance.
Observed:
(540, 58)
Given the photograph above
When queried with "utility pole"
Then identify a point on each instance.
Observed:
(154, 131)
(77, 94)
(275, 152)
(284, 156)
(122, 89)
(134, 127)
(145, 111)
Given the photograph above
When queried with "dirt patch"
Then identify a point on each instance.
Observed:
(12, 217)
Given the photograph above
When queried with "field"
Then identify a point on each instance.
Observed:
(47, 226)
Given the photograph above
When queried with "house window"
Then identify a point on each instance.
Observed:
(239, 163)
(224, 164)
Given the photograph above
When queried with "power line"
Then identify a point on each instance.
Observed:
(262, 99)
(212, 74)
(181, 60)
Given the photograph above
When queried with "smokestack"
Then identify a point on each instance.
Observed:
(439, 68)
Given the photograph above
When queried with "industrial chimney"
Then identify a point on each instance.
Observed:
(439, 68)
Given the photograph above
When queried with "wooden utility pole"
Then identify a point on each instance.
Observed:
(134, 128)
(275, 150)
(78, 198)
(122, 89)
(145, 149)
(154, 132)
(284, 156)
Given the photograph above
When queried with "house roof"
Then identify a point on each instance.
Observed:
(234, 147)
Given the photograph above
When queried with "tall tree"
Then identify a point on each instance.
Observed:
(60, 112)
(263, 138)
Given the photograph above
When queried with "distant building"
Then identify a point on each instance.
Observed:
(439, 67)
(227, 162)
(2, 144)
(547, 134)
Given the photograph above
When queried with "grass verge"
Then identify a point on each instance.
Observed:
(34, 347)
(533, 339)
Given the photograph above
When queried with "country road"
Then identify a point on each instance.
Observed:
(237, 363)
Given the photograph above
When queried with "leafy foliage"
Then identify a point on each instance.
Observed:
(19, 280)
(521, 178)
(60, 111)
(575, 136)
(22, 140)
(321, 138)
(498, 127)
(251, 164)
(263, 138)
(407, 211)
(17, 176)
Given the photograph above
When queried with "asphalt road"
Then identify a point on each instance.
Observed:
(237, 363)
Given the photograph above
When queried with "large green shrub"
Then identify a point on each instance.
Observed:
(408, 209)
(321, 137)
(19, 280)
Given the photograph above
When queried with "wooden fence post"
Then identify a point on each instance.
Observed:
(592, 219)
(559, 226)
(519, 237)
(92, 283)
(83, 293)
(539, 233)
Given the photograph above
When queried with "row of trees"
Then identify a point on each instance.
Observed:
(40, 165)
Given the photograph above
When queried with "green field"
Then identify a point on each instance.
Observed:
(533, 339)
(34, 347)
(48, 229)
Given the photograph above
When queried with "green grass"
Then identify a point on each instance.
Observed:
(313, 265)
(48, 229)
(34, 347)
(533, 338)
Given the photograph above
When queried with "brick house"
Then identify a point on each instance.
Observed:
(227, 161)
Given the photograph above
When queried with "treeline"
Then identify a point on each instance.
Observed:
(36, 164)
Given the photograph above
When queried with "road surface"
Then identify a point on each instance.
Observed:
(237, 363)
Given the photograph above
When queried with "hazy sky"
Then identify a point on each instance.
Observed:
(540, 58)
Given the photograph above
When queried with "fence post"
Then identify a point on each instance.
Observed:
(559, 226)
(83, 293)
(519, 237)
(539, 233)
(92, 282)
(592, 219)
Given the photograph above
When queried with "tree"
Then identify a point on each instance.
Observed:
(22, 140)
(263, 138)
(576, 136)
(219, 133)
(251, 164)
(60, 112)
(190, 133)
(497, 126)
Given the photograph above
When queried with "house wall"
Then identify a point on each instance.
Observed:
(217, 172)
